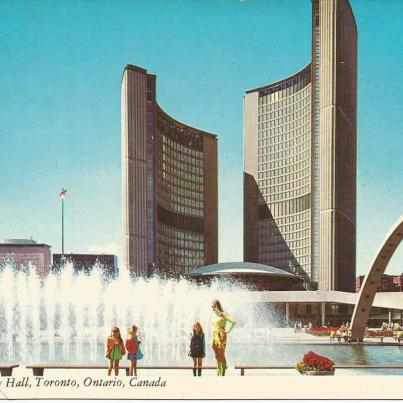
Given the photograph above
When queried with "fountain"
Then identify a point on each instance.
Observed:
(66, 317)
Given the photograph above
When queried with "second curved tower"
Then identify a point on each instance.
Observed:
(300, 159)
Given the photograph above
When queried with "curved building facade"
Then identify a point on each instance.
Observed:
(300, 159)
(282, 167)
(169, 173)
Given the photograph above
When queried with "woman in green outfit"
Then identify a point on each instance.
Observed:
(115, 350)
(219, 336)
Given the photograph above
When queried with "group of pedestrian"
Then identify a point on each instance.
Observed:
(116, 349)
(391, 326)
(342, 333)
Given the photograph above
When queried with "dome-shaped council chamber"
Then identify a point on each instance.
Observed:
(254, 275)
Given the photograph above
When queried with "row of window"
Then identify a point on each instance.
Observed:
(291, 207)
(285, 156)
(180, 139)
(278, 242)
(179, 252)
(286, 106)
(289, 142)
(277, 180)
(169, 171)
(283, 116)
(182, 192)
(281, 250)
(175, 233)
(169, 164)
(189, 156)
(268, 226)
(302, 227)
(169, 197)
(288, 131)
(304, 216)
(277, 168)
(181, 209)
(284, 124)
(179, 182)
(285, 196)
(287, 186)
(284, 222)
(271, 150)
(291, 100)
(284, 93)
(295, 240)
(180, 200)
(303, 237)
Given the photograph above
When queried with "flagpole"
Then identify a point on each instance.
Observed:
(62, 226)
(62, 195)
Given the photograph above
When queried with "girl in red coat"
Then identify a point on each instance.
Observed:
(115, 350)
(132, 346)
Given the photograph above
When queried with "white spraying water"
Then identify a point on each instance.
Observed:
(66, 317)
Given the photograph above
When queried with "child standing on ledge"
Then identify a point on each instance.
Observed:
(115, 350)
(132, 347)
(197, 348)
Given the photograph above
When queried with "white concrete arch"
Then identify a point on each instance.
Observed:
(368, 289)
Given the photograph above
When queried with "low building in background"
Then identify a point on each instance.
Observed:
(86, 262)
(398, 281)
(328, 308)
(256, 276)
(389, 283)
(20, 253)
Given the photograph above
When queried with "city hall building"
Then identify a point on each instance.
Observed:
(300, 160)
(169, 173)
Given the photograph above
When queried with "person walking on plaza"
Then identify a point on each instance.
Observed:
(132, 347)
(197, 348)
(339, 334)
(115, 350)
(220, 335)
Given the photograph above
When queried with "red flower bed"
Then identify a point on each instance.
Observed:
(322, 329)
(317, 361)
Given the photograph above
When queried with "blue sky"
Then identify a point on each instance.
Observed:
(60, 73)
